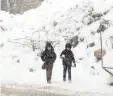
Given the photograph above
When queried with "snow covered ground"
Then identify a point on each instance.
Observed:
(57, 22)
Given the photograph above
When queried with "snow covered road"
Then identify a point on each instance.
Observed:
(48, 90)
(34, 83)
(26, 92)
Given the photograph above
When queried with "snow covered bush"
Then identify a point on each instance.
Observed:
(104, 24)
(74, 41)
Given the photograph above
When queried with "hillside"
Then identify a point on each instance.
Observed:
(23, 37)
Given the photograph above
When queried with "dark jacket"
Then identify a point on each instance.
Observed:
(69, 57)
(48, 57)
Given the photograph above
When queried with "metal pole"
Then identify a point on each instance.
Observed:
(101, 49)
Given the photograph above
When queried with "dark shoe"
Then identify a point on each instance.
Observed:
(49, 82)
(64, 79)
(69, 81)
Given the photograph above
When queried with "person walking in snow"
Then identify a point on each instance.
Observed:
(67, 57)
(48, 57)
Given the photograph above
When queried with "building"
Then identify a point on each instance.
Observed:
(19, 6)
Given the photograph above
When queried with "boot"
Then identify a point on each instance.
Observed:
(64, 79)
(69, 81)
(49, 81)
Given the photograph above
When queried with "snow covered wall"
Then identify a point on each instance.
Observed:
(23, 37)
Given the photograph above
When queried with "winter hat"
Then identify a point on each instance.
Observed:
(48, 44)
(68, 45)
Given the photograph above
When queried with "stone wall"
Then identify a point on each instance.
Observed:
(19, 6)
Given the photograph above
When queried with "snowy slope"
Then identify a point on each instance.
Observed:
(57, 22)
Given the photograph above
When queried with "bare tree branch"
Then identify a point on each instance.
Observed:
(19, 43)
(56, 44)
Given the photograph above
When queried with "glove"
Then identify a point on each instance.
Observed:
(63, 56)
(44, 66)
(51, 62)
(75, 64)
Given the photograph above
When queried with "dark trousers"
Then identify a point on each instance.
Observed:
(65, 68)
(49, 72)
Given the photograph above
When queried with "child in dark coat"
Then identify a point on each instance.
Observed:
(67, 57)
(48, 57)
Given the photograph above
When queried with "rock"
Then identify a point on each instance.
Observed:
(18, 61)
(1, 45)
(111, 84)
(55, 23)
(31, 70)
(81, 39)
(91, 44)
